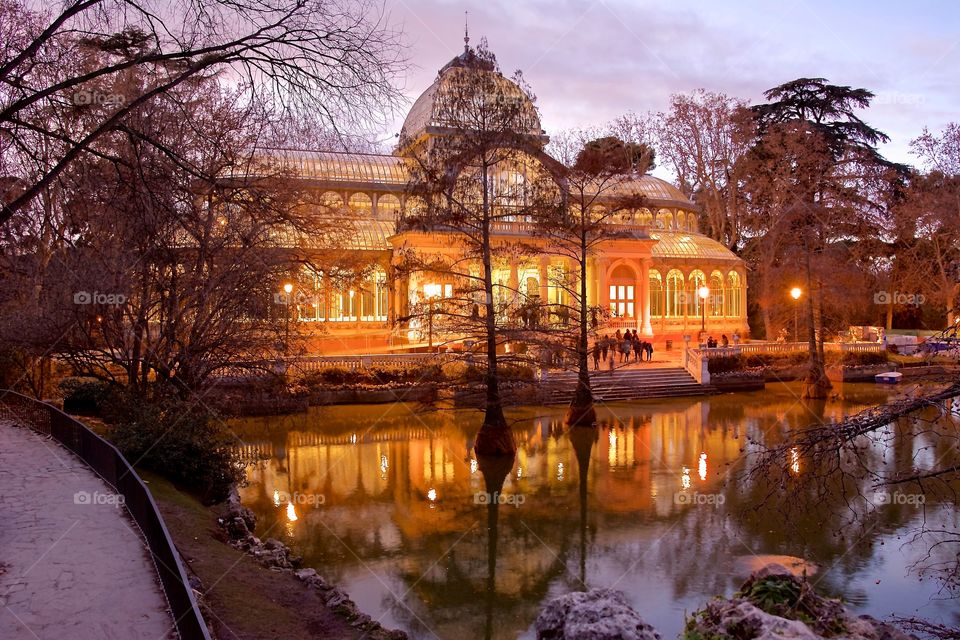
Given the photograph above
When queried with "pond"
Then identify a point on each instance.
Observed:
(389, 503)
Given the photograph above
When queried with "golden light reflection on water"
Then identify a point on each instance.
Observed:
(794, 460)
(382, 491)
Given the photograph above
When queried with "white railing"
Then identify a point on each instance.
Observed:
(697, 364)
(790, 347)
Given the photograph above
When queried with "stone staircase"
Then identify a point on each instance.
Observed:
(624, 384)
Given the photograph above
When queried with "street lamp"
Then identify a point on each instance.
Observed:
(287, 289)
(704, 293)
(795, 293)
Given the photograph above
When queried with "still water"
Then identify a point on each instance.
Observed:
(389, 503)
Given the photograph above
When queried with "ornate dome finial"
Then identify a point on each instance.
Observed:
(466, 31)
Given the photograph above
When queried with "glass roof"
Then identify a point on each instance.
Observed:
(650, 187)
(357, 235)
(679, 244)
(332, 166)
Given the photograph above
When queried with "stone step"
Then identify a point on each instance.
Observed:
(625, 384)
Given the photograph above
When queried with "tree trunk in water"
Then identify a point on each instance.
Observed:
(583, 439)
(581, 411)
(816, 384)
(494, 470)
(495, 437)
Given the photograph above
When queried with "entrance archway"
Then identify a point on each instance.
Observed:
(623, 293)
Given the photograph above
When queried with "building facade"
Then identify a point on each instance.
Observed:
(663, 278)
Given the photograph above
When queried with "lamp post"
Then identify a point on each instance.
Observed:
(287, 289)
(704, 293)
(795, 293)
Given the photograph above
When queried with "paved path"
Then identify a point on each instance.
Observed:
(72, 565)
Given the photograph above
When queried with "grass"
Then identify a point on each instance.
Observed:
(246, 601)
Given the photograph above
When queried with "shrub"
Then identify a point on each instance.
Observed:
(181, 441)
(854, 359)
(85, 396)
(725, 364)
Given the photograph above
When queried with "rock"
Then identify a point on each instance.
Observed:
(598, 614)
(273, 543)
(773, 569)
(773, 604)
(305, 574)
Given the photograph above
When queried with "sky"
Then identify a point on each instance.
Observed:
(589, 61)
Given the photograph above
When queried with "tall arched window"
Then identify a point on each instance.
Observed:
(717, 294)
(675, 294)
(373, 302)
(656, 294)
(696, 280)
(733, 295)
(692, 222)
(623, 282)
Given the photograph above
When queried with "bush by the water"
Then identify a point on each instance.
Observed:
(395, 374)
(743, 362)
(85, 396)
(179, 440)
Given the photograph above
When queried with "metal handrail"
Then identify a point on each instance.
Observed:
(104, 459)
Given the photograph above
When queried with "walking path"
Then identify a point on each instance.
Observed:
(72, 563)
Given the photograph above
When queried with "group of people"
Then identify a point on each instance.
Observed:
(606, 348)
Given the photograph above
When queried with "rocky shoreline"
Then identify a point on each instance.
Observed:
(239, 522)
(773, 604)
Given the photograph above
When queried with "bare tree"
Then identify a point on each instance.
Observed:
(596, 192)
(328, 62)
(701, 139)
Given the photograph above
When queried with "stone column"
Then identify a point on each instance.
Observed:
(514, 282)
(645, 327)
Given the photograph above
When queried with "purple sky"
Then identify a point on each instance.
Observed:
(591, 60)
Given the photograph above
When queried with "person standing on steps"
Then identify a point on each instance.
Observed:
(596, 355)
(605, 347)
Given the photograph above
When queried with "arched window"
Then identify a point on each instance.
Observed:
(532, 287)
(373, 298)
(696, 280)
(623, 282)
(361, 204)
(644, 217)
(666, 216)
(388, 206)
(675, 294)
(717, 294)
(656, 294)
(330, 200)
(733, 295)
(692, 222)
